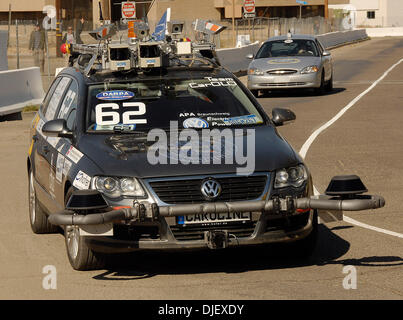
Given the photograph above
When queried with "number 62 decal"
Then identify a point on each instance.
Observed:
(109, 117)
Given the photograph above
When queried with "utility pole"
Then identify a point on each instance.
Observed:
(233, 23)
(326, 9)
(9, 24)
(58, 28)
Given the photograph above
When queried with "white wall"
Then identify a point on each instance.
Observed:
(394, 13)
(366, 4)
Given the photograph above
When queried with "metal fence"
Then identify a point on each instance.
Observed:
(257, 29)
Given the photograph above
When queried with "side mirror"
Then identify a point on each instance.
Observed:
(57, 128)
(249, 56)
(326, 54)
(282, 116)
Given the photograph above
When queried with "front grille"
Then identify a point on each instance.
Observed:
(284, 84)
(281, 72)
(188, 190)
(188, 233)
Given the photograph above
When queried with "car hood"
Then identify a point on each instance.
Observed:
(126, 155)
(297, 63)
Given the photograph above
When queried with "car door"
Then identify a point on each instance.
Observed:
(45, 158)
(38, 153)
(326, 61)
(61, 165)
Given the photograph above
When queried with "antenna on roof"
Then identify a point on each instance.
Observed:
(101, 18)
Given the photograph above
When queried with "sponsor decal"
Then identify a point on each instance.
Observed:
(59, 167)
(195, 123)
(249, 119)
(53, 141)
(214, 82)
(66, 167)
(74, 154)
(117, 127)
(82, 181)
(39, 127)
(283, 61)
(115, 95)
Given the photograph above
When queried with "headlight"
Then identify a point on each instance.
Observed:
(116, 187)
(294, 176)
(311, 69)
(255, 72)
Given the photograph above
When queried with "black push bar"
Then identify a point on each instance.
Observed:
(141, 211)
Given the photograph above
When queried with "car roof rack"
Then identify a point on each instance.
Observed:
(144, 53)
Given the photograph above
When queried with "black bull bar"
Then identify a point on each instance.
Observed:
(143, 211)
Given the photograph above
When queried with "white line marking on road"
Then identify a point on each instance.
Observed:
(316, 133)
(367, 226)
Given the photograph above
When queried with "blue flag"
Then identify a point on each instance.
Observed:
(161, 27)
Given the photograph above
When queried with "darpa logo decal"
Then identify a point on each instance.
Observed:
(115, 95)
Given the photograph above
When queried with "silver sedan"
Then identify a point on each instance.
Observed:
(289, 62)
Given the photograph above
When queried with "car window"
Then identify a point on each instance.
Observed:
(321, 49)
(287, 48)
(56, 97)
(193, 103)
(48, 96)
(68, 107)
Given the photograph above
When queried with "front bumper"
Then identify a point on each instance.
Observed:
(293, 81)
(286, 210)
(261, 235)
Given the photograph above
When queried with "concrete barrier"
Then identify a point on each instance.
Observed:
(19, 88)
(385, 32)
(3, 50)
(234, 59)
(335, 39)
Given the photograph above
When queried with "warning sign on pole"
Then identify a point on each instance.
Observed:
(249, 9)
(128, 10)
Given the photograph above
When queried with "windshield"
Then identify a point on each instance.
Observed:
(192, 103)
(288, 48)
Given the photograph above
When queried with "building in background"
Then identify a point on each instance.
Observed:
(69, 11)
(219, 10)
(373, 13)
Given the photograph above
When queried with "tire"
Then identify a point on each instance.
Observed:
(255, 93)
(321, 90)
(305, 247)
(81, 257)
(37, 216)
(329, 85)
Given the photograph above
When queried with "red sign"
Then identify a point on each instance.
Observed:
(128, 10)
(249, 6)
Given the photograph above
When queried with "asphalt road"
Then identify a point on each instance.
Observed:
(366, 140)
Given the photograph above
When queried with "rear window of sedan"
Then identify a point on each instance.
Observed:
(288, 48)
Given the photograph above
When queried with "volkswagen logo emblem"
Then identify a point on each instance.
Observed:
(210, 189)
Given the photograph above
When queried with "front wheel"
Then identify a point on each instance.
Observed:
(37, 216)
(81, 257)
(329, 85)
(321, 90)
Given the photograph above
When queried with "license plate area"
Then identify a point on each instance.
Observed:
(214, 219)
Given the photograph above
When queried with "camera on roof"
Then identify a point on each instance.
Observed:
(149, 55)
(142, 30)
(119, 57)
(176, 27)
